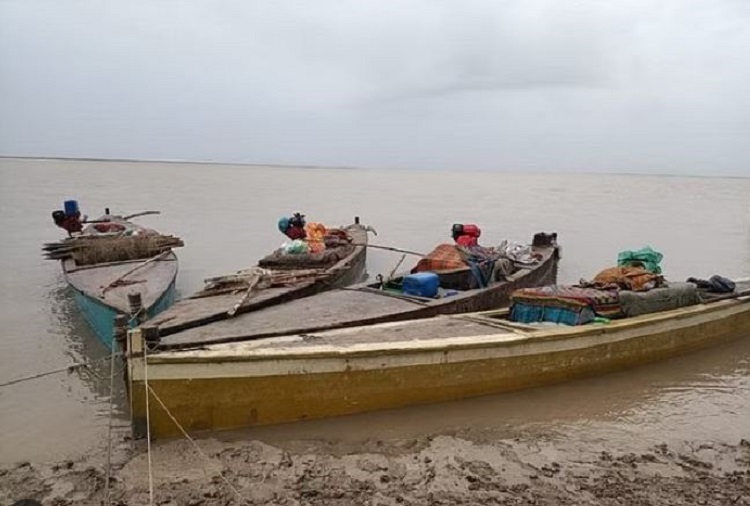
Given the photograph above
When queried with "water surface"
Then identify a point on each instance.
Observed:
(227, 217)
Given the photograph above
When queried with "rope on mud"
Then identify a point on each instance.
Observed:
(148, 428)
(195, 445)
(111, 413)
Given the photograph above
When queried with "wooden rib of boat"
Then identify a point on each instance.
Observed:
(105, 268)
(356, 305)
(228, 297)
(347, 371)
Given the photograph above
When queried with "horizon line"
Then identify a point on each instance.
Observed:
(347, 167)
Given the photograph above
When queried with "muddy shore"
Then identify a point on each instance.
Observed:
(440, 470)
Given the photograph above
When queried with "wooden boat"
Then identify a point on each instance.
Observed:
(361, 304)
(277, 279)
(113, 264)
(346, 371)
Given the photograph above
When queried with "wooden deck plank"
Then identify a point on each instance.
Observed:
(151, 281)
(187, 310)
(334, 307)
(354, 306)
(440, 327)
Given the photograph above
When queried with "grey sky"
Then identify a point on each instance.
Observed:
(636, 86)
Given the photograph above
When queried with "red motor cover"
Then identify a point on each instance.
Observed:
(466, 241)
(472, 230)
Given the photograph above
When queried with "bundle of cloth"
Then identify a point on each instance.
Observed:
(310, 237)
(486, 264)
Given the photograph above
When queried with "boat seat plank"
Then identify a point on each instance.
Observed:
(330, 308)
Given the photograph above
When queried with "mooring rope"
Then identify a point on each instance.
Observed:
(148, 427)
(69, 368)
(111, 416)
(195, 445)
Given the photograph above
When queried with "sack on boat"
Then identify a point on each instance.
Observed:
(636, 279)
(296, 247)
(715, 284)
(646, 257)
(316, 234)
(672, 296)
(570, 305)
(445, 257)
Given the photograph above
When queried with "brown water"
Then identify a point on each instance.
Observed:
(227, 216)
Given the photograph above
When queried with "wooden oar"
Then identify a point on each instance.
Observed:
(728, 296)
(391, 248)
(131, 271)
(142, 213)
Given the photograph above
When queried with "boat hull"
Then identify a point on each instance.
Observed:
(238, 385)
(200, 309)
(100, 316)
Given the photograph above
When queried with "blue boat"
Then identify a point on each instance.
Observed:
(108, 260)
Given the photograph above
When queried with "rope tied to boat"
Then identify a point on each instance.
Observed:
(68, 368)
(109, 430)
(197, 448)
(148, 428)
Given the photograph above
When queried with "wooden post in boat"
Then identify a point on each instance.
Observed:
(136, 306)
(120, 339)
(135, 365)
(121, 331)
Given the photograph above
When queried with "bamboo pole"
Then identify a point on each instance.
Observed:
(131, 271)
(258, 276)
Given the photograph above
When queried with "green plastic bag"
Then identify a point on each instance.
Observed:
(647, 256)
(297, 247)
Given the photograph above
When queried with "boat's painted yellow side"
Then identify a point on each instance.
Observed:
(230, 386)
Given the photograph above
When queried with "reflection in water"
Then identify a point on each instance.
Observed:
(83, 346)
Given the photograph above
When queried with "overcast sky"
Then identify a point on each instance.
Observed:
(636, 86)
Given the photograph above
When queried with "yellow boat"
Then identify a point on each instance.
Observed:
(346, 371)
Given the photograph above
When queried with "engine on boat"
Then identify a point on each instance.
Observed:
(466, 235)
(68, 219)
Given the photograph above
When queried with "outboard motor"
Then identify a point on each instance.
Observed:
(70, 218)
(466, 234)
(543, 239)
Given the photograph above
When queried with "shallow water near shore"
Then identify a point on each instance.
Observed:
(227, 216)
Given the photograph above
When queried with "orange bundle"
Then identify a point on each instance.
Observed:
(316, 234)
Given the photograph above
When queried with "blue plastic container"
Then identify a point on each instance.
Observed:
(421, 284)
(71, 207)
